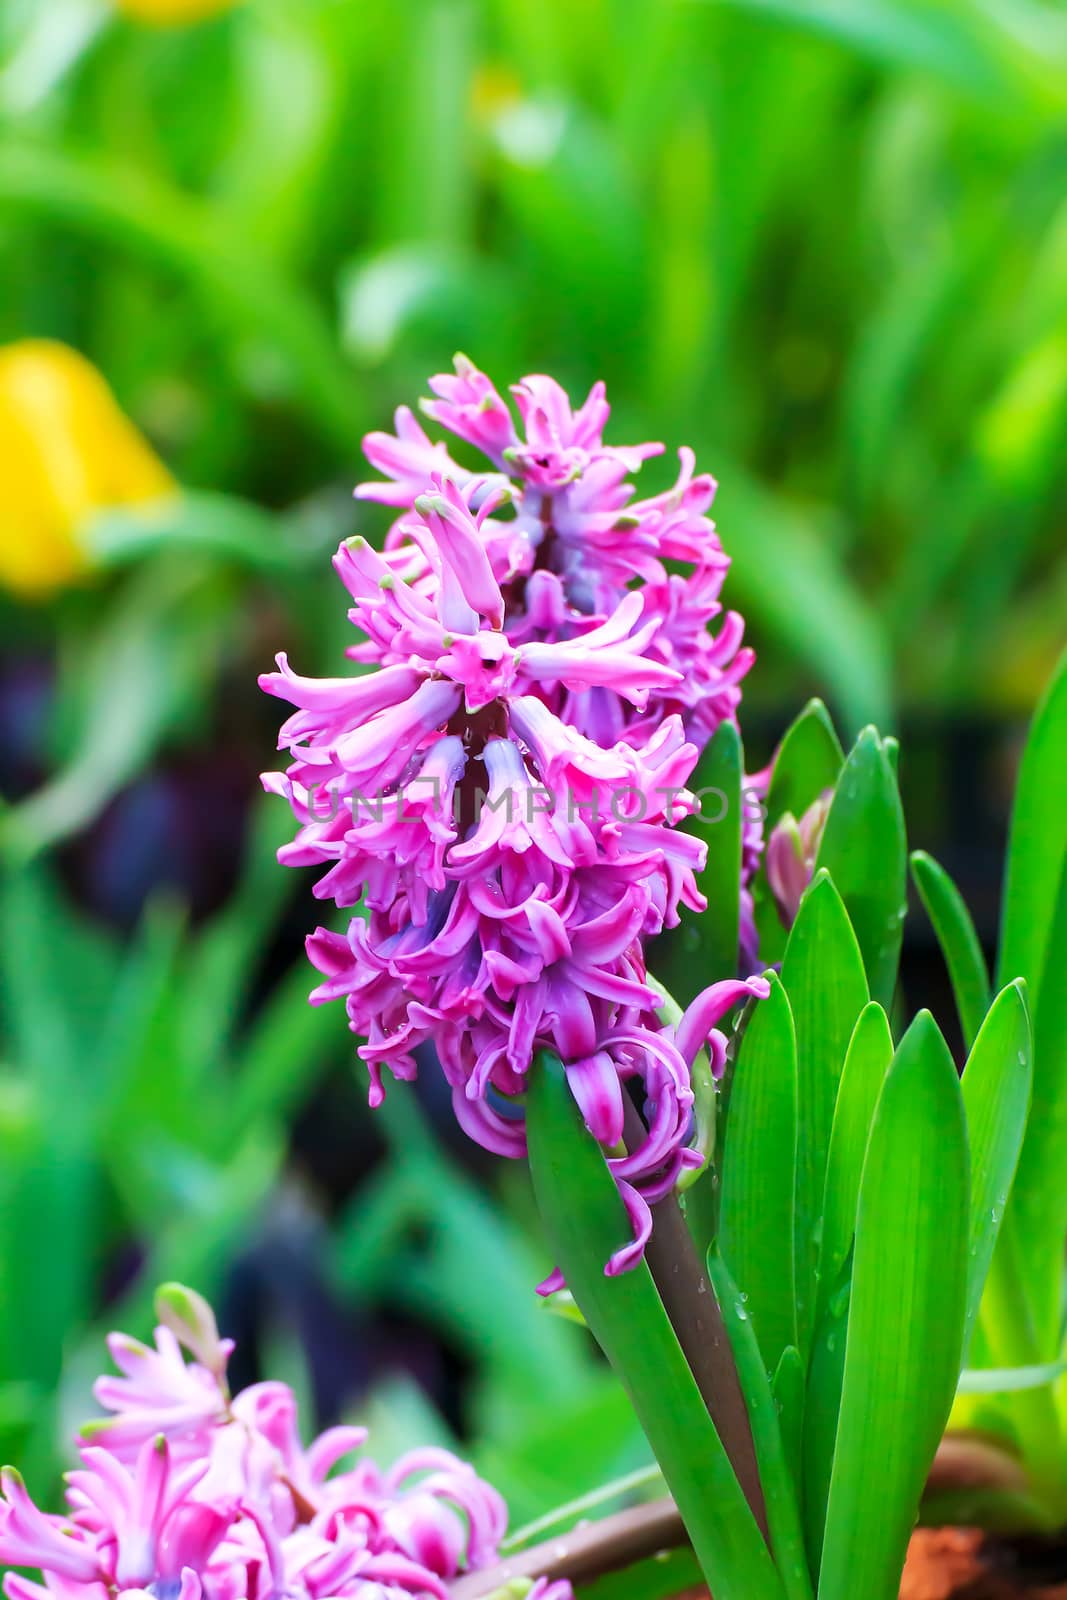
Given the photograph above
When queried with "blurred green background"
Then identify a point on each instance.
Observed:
(825, 243)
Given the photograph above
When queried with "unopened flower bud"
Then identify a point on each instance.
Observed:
(192, 1321)
(792, 851)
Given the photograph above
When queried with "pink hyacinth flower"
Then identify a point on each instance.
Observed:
(250, 1513)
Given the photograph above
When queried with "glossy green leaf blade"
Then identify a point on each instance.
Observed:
(959, 942)
(996, 1089)
(783, 1514)
(870, 1051)
(807, 763)
(1039, 1196)
(905, 1330)
(717, 784)
(1038, 842)
(825, 1376)
(586, 1221)
(824, 979)
(758, 1173)
(864, 850)
(787, 1387)
(1034, 946)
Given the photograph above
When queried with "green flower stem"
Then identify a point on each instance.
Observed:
(643, 1478)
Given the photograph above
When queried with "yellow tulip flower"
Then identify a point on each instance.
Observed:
(66, 451)
(170, 12)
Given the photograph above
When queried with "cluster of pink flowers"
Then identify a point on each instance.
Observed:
(567, 541)
(187, 1494)
(500, 795)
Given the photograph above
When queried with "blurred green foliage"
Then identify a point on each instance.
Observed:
(823, 241)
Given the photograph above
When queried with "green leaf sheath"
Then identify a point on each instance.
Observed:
(864, 850)
(824, 979)
(905, 1328)
(958, 939)
(1033, 946)
(788, 1390)
(822, 1409)
(757, 1218)
(870, 1051)
(1038, 841)
(996, 1096)
(585, 1222)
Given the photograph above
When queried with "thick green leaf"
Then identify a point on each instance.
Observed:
(959, 942)
(586, 1222)
(758, 1173)
(824, 979)
(996, 1096)
(870, 1051)
(1034, 946)
(788, 1390)
(717, 785)
(825, 1376)
(808, 762)
(863, 849)
(905, 1327)
(1039, 1196)
(1038, 843)
(783, 1514)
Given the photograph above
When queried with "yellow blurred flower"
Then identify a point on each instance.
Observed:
(66, 451)
(493, 89)
(168, 12)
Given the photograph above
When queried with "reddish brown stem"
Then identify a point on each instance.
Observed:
(689, 1300)
(586, 1552)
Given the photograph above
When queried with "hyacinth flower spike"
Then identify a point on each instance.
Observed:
(501, 792)
(233, 1506)
(510, 866)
